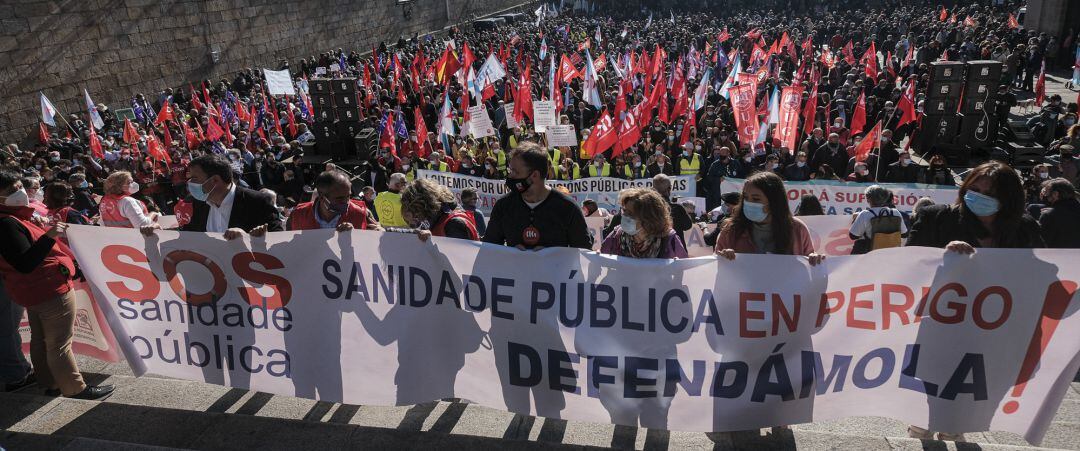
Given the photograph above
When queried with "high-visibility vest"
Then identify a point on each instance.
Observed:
(691, 166)
(575, 173)
(500, 159)
(582, 153)
(555, 158)
(605, 171)
(109, 208)
(639, 173)
(388, 206)
(441, 168)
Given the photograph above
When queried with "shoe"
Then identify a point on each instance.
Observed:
(950, 437)
(919, 433)
(27, 381)
(94, 393)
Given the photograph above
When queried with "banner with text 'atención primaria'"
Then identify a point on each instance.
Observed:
(955, 343)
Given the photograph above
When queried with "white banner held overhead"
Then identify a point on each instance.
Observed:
(561, 135)
(279, 82)
(508, 111)
(843, 198)
(479, 122)
(942, 341)
(544, 115)
(603, 190)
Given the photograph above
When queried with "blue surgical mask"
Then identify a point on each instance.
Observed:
(754, 211)
(196, 191)
(629, 225)
(84, 184)
(981, 204)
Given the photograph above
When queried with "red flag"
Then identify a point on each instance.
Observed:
(889, 65)
(907, 106)
(190, 136)
(166, 113)
(1013, 24)
(620, 104)
(869, 59)
(292, 119)
(386, 139)
(809, 112)
(95, 144)
(241, 111)
(870, 142)
(969, 21)
(603, 136)
(130, 135)
(849, 53)
(421, 133)
(465, 116)
(1040, 86)
(629, 131)
(154, 148)
(858, 119)
(168, 138)
(195, 98)
(724, 36)
(787, 130)
(567, 70)
(213, 130)
(273, 113)
(523, 106)
(742, 102)
(682, 102)
(944, 14)
(367, 76)
(600, 63)
(206, 95)
(690, 124)
(952, 19)
(43, 133)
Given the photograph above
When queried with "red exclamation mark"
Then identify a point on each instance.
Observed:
(1057, 299)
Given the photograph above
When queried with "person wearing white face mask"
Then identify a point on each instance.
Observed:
(645, 230)
(119, 209)
(902, 171)
(32, 185)
(762, 223)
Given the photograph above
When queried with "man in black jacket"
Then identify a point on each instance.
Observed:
(902, 171)
(1061, 220)
(223, 207)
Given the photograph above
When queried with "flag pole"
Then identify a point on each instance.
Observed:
(877, 166)
(63, 117)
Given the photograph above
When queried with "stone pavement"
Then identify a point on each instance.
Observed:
(152, 412)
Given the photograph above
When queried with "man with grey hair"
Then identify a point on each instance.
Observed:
(879, 226)
(1060, 220)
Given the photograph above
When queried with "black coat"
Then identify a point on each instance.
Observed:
(250, 209)
(1060, 224)
(937, 225)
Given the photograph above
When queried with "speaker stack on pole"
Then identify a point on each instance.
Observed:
(337, 120)
(960, 108)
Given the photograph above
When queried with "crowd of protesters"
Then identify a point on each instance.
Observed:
(224, 157)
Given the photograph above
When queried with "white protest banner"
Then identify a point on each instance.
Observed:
(604, 190)
(91, 334)
(544, 115)
(479, 122)
(844, 198)
(320, 71)
(561, 135)
(508, 112)
(491, 70)
(279, 82)
(335, 67)
(943, 341)
(168, 222)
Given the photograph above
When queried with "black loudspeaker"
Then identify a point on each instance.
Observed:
(946, 71)
(319, 86)
(977, 105)
(939, 106)
(344, 86)
(324, 115)
(943, 128)
(984, 70)
(978, 130)
(348, 114)
(945, 89)
(322, 101)
(346, 132)
(981, 89)
(342, 100)
(324, 132)
(367, 143)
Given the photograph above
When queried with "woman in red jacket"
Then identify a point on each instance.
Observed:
(37, 270)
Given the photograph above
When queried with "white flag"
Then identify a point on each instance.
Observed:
(592, 93)
(95, 117)
(702, 91)
(491, 70)
(47, 110)
(446, 117)
(672, 17)
(648, 22)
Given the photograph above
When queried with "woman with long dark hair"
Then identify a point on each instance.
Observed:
(988, 212)
(762, 223)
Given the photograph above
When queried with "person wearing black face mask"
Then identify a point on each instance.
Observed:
(333, 208)
(532, 215)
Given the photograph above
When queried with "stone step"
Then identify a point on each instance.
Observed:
(65, 424)
(43, 415)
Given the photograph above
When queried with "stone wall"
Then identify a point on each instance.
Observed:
(116, 48)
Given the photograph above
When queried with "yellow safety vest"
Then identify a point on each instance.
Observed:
(500, 159)
(443, 167)
(575, 172)
(691, 167)
(604, 172)
(638, 174)
(582, 153)
(410, 175)
(388, 206)
(558, 156)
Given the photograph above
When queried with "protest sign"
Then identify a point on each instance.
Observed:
(561, 135)
(544, 114)
(844, 198)
(91, 334)
(279, 82)
(508, 111)
(320, 71)
(479, 122)
(604, 190)
(942, 341)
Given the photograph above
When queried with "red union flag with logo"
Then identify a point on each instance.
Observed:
(742, 101)
(787, 130)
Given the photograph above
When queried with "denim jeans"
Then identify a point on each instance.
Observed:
(13, 365)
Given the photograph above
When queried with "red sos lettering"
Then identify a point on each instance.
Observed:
(130, 263)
